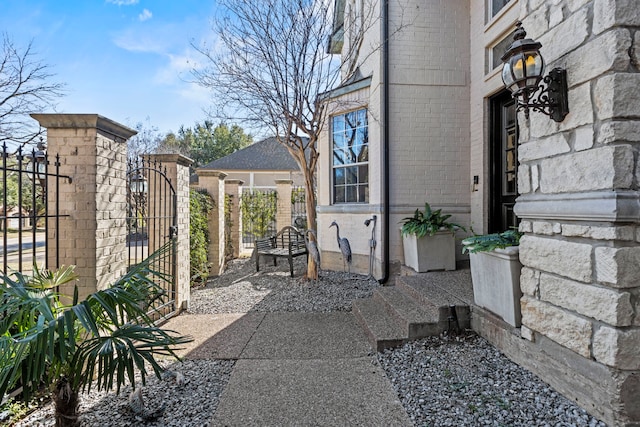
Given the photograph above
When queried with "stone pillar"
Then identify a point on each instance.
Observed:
(213, 182)
(177, 170)
(233, 189)
(93, 153)
(283, 215)
(580, 208)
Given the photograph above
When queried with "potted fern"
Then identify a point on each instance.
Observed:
(495, 273)
(428, 239)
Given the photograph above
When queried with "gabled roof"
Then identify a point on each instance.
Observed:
(267, 154)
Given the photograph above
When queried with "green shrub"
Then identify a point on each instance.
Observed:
(258, 212)
(200, 204)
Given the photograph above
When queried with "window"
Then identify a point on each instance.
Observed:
(496, 6)
(496, 52)
(350, 157)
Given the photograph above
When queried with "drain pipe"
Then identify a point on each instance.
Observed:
(385, 140)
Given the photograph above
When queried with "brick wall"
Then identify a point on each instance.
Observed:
(93, 238)
(429, 126)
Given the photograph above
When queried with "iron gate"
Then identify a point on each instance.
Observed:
(29, 209)
(152, 224)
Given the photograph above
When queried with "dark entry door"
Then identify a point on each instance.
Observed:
(504, 163)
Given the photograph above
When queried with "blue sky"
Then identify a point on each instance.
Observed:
(127, 60)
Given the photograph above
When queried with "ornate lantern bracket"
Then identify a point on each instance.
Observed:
(522, 75)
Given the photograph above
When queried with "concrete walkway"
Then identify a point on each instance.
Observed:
(302, 369)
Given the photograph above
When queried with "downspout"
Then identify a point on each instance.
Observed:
(385, 139)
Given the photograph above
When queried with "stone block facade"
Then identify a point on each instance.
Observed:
(579, 202)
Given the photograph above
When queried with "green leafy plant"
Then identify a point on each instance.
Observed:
(228, 227)
(489, 242)
(200, 204)
(258, 212)
(428, 223)
(71, 345)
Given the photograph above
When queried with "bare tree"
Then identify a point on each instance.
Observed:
(145, 141)
(25, 88)
(271, 67)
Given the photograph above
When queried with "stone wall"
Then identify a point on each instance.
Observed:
(93, 153)
(213, 183)
(579, 203)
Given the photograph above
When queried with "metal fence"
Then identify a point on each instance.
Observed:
(258, 209)
(298, 208)
(29, 209)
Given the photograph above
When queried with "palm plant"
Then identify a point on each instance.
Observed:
(100, 341)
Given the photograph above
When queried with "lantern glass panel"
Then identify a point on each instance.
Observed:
(517, 66)
(534, 64)
(507, 78)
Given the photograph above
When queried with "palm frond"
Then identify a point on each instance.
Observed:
(108, 335)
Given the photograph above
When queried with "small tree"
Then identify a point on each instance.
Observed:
(25, 88)
(204, 143)
(270, 69)
(145, 141)
(105, 338)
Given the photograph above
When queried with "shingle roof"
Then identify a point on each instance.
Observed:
(267, 154)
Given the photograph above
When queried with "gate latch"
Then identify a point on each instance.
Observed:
(173, 231)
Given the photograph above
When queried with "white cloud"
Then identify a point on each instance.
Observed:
(136, 40)
(123, 2)
(146, 14)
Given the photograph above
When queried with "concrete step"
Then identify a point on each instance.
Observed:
(431, 292)
(418, 306)
(456, 283)
(418, 319)
(381, 329)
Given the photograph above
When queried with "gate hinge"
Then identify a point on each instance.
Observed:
(173, 231)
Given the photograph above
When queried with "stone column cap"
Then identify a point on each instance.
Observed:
(284, 181)
(234, 181)
(170, 158)
(83, 121)
(209, 172)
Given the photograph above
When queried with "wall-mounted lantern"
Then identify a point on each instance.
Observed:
(37, 164)
(138, 184)
(522, 72)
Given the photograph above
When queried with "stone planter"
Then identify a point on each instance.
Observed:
(496, 282)
(437, 252)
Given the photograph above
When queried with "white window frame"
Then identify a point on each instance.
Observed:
(360, 183)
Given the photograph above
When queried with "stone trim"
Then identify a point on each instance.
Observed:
(84, 121)
(613, 206)
(171, 158)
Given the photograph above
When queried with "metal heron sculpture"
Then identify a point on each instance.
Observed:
(312, 246)
(344, 246)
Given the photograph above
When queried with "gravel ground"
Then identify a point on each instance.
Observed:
(191, 404)
(465, 381)
(441, 381)
(241, 289)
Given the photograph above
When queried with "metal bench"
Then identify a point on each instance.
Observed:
(287, 243)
